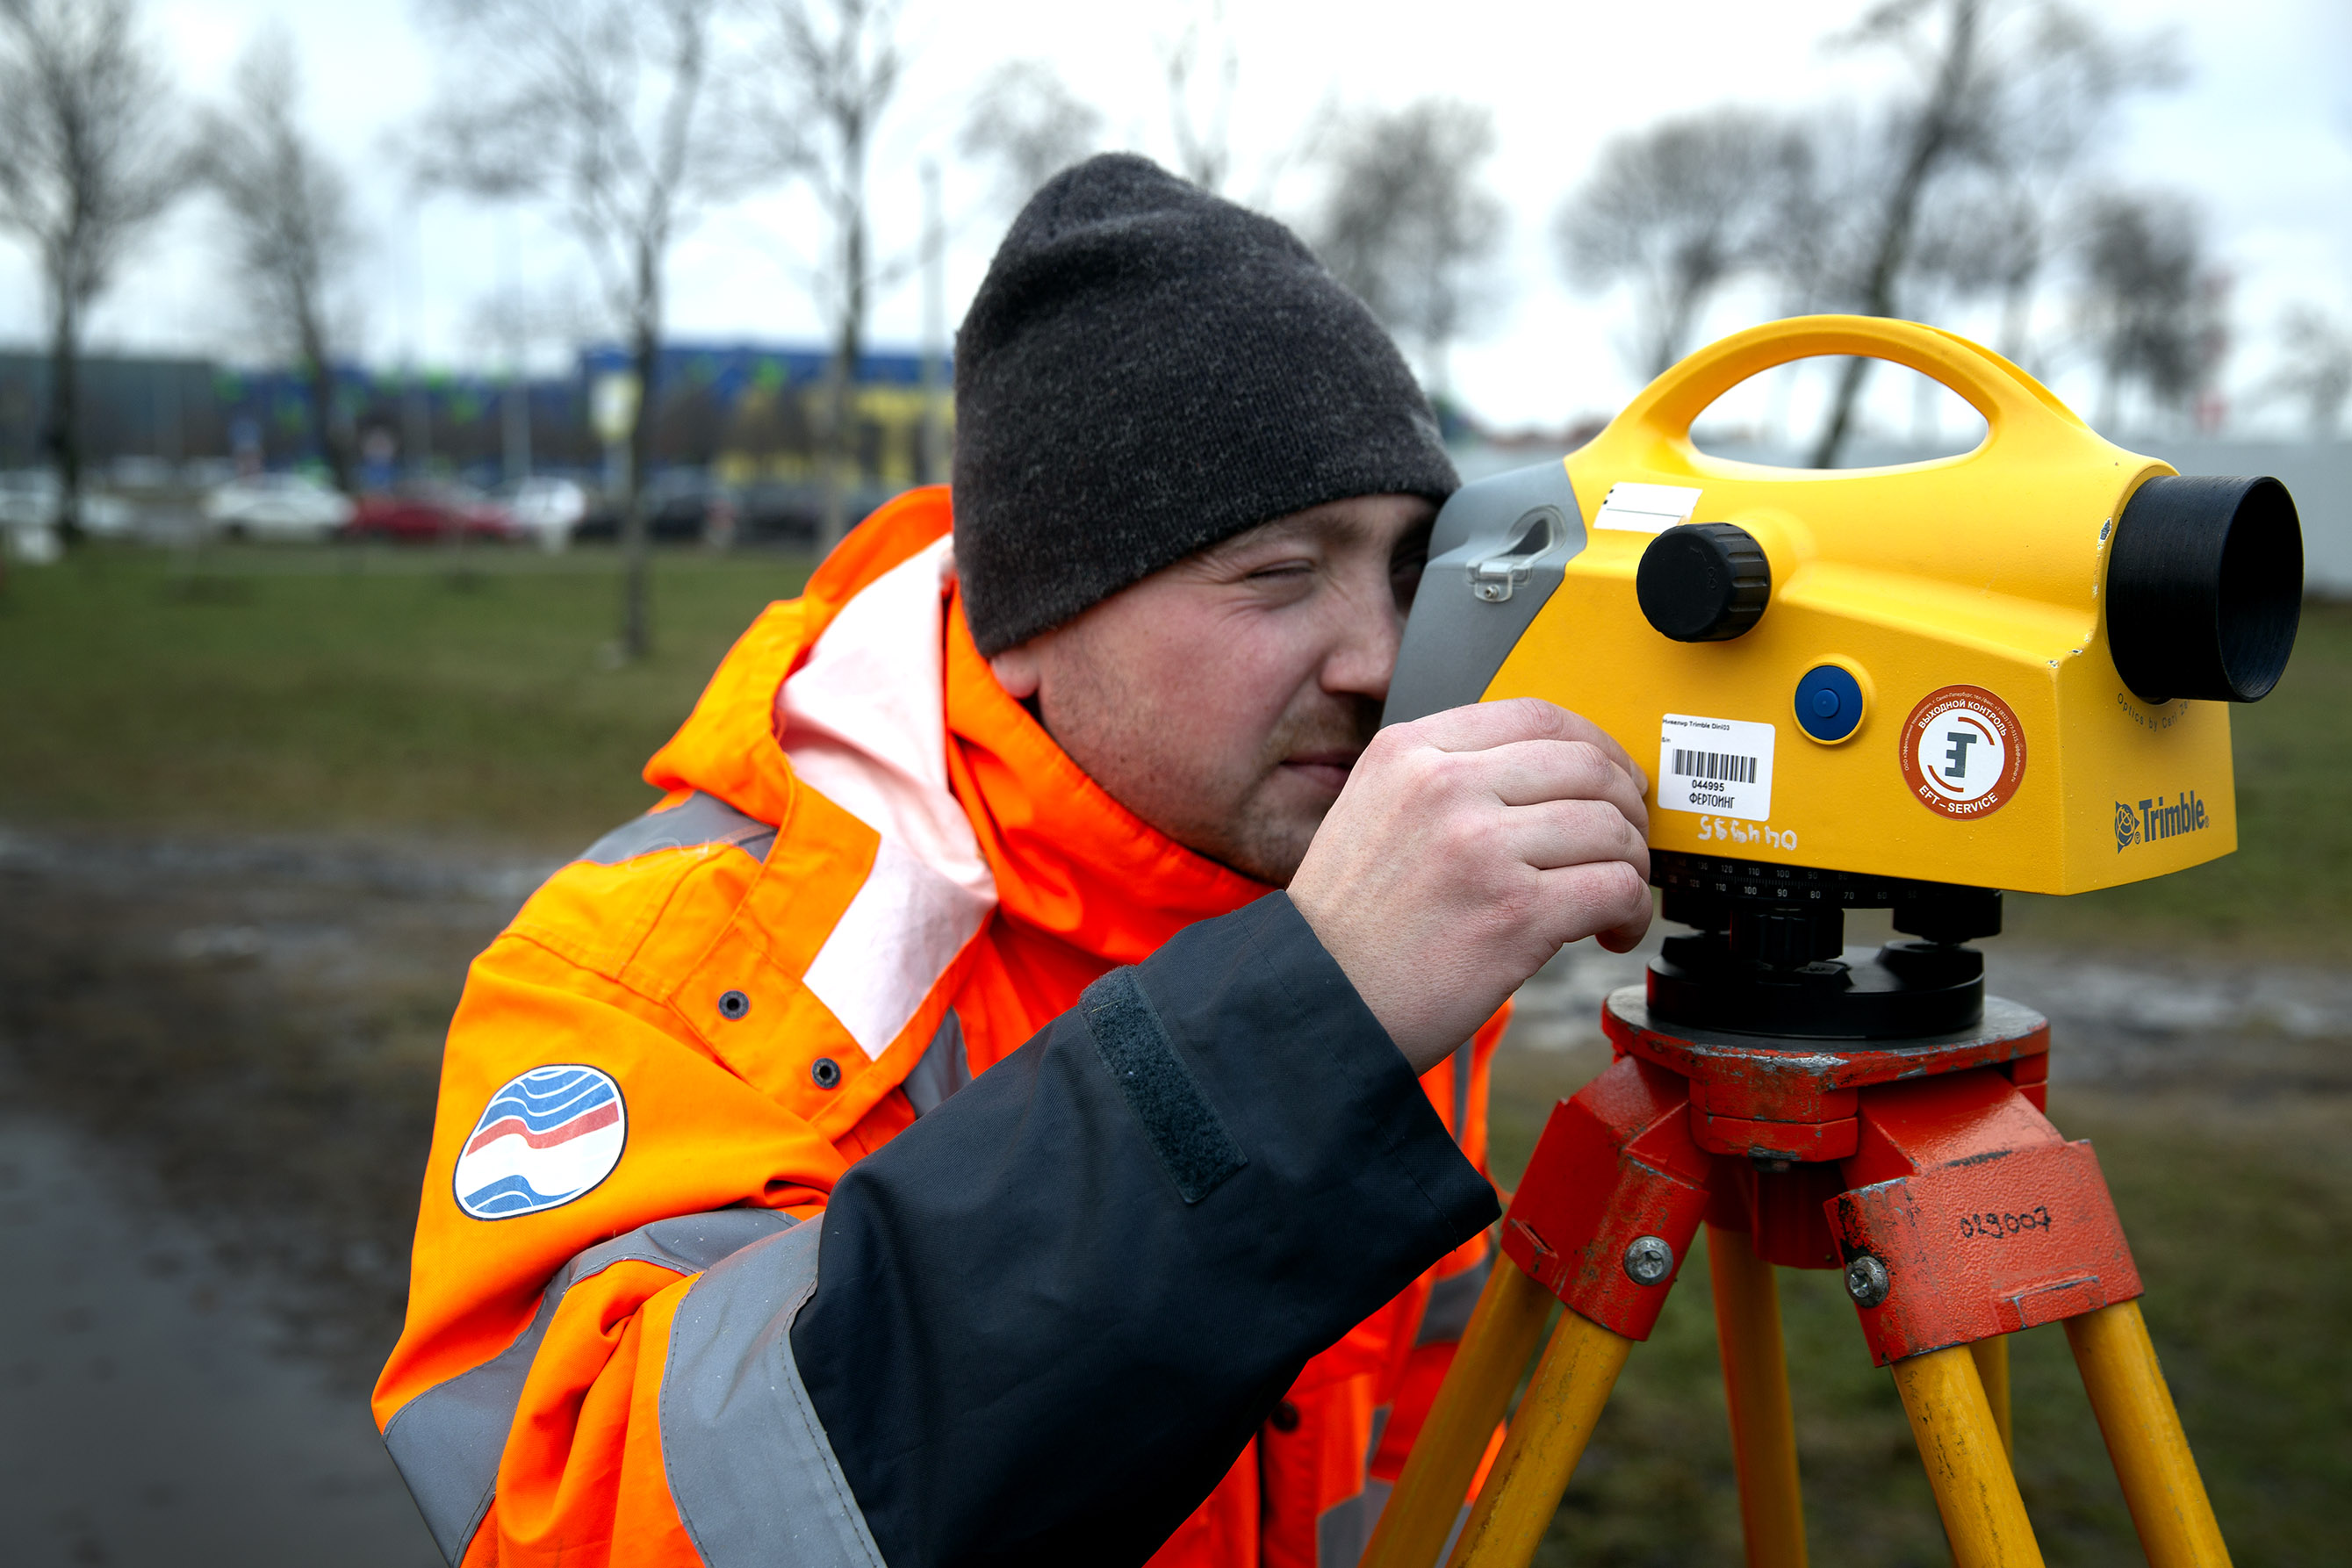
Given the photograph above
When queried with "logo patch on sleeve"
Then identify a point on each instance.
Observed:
(546, 1138)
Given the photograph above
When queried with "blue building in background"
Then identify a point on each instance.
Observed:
(745, 413)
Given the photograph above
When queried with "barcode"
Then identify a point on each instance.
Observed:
(1722, 765)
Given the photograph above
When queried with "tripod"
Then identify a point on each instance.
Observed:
(1885, 1120)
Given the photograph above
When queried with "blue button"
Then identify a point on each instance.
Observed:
(1829, 702)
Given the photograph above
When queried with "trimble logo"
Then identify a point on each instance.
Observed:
(2153, 819)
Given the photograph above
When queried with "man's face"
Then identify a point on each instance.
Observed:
(1223, 700)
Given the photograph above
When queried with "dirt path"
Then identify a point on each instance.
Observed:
(216, 1067)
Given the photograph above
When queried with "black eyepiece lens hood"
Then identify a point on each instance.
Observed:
(2205, 588)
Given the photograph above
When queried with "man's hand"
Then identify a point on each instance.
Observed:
(1467, 848)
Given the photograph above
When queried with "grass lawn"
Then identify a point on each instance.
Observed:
(353, 688)
(2237, 1217)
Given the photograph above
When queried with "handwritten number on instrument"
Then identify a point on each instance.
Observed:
(1991, 1227)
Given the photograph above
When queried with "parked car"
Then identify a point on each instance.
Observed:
(691, 507)
(681, 506)
(781, 511)
(426, 511)
(278, 506)
(32, 500)
(545, 508)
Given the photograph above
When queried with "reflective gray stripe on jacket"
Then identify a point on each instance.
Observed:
(753, 1476)
(448, 1440)
(1345, 1529)
(697, 822)
(943, 1070)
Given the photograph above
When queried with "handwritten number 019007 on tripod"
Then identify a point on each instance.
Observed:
(1993, 1226)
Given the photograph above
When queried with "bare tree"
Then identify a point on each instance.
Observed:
(609, 113)
(1203, 67)
(2010, 88)
(839, 63)
(2316, 368)
(1680, 210)
(88, 161)
(2149, 306)
(1989, 239)
(1406, 222)
(1027, 122)
(290, 223)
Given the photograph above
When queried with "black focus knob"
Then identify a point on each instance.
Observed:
(1703, 582)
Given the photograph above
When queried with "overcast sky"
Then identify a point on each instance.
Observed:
(2261, 132)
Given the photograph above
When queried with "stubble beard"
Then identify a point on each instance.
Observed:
(1267, 832)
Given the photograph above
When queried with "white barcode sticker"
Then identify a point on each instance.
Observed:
(1722, 767)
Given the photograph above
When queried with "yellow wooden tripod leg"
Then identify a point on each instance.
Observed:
(1984, 1519)
(2151, 1455)
(1503, 1333)
(1756, 1385)
(1993, 1369)
(1555, 1419)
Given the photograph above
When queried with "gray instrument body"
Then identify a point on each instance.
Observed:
(1496, 553)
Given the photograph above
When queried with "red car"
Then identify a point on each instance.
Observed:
(430, 510)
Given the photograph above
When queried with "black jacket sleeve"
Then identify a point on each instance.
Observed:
(1050, 1315)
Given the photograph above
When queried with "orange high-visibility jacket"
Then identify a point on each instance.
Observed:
(872, 878)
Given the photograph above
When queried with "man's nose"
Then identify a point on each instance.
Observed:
(1363, 651)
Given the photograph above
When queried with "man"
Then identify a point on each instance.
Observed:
(754, 1232)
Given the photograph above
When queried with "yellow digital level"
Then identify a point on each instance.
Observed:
(1900, 688)
(2001, 670)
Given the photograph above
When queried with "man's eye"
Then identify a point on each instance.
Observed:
(1280, 570)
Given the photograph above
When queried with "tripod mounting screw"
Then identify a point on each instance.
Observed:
(1867, 1280)
(1649, 1260)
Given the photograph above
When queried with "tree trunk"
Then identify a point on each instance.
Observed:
(320, 377)
(1931, 143)
(833, 412)
(637, 590)
(63, 437)
(1841, 402)
(849, 346)
(933, 452)
(849, 349)
(516, 427)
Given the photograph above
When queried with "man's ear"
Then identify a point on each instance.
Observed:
(1018, 669)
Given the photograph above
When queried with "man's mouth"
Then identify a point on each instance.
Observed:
(1328, 769)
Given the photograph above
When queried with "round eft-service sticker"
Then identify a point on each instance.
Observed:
(1963, 752)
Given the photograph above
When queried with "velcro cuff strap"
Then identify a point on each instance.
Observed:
(1186, 1131)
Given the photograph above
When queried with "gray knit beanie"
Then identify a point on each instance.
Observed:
(1148, 369)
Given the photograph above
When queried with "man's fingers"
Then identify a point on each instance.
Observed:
(1627, 937)
(1527, 772)
(1557, 833)
(1607, 899)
